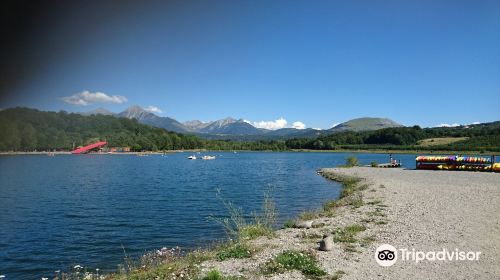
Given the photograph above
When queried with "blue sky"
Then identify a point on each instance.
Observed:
(317, 62)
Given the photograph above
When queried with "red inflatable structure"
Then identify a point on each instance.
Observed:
(87, 148)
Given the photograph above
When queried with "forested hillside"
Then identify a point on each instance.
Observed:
(23, 129)
(481, 137)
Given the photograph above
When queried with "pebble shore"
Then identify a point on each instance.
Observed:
(412, 209)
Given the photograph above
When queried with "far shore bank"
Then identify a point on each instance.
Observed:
(423, 152)
(377, 151)
(113, 153)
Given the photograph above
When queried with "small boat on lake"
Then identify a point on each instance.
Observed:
(192, 157)
(208, 157)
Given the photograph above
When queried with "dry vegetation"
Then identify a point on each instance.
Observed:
(440, 141)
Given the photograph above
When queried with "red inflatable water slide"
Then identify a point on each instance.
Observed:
(87, 148)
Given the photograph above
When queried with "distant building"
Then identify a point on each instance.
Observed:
(117, 149)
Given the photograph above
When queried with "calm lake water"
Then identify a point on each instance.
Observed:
(56, 212)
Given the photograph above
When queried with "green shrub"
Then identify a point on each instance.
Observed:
(374, 164)
(241, 228)
(213, 274)
(255, 230)
(289, 224)
(351, 161)
(294, 260)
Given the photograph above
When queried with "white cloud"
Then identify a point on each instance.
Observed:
(272, 125)
(448, 125)
(277, 124)
(334, 124)
(453, 124)
(154, 109)
(86, 97)
(298, 125)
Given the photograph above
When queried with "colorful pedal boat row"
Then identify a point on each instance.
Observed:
(495, 167)
(450, 159)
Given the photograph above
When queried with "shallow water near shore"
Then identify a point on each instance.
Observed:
(57, 212)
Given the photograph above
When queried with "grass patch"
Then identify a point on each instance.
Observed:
(348, 234)
(214, 274)
(350, 248)
(338, 274)
(289, 224)
(331, 205)
(377, 213)
(368, 220)
(356, 201)
(238, 227)
(355, 228)
(234, 251)
(365, 241)
(253, 231)
(363, 187)
(350, 186)
(172, 269)
(293, 260)
(374, 202)
(309, 215)
(310, 236)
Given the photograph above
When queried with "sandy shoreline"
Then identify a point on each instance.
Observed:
(421, 210)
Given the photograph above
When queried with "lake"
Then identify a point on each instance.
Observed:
(57, 212)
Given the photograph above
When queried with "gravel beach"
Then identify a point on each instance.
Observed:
(408, 209)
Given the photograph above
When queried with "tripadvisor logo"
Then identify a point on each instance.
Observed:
(387, 255)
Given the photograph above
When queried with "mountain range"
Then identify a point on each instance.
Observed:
(239, 129)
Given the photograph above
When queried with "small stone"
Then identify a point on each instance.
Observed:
(326, 244)
(317, 224)
(304, 224)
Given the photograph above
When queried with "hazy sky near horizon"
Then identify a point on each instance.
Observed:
(316, 62)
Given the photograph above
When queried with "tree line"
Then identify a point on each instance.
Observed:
(481, 137)
(24, 129)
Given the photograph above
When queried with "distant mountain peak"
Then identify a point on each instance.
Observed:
(365, 124)
(195, 124)
(227, 120)
(135, 109)
(143, 116)
(98, 111)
